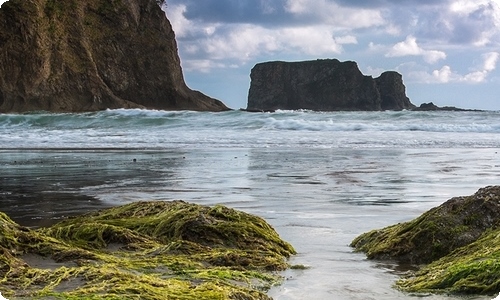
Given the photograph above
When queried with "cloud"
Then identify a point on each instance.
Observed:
(385, 3)
(461, 22)
(240, 43)
(333, 14)
(444, 74)
(490, 61)
(347, 39)
(206, 44)
(226, 33)
(447, 75)
(409, 47)
(278, 13)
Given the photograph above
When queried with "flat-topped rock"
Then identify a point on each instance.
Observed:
(323, 85)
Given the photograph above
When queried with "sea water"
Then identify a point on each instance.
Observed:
(320, 179)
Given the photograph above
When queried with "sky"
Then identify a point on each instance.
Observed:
(448, 51)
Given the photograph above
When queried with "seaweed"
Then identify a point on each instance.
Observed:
(455, 245)
(145, 250)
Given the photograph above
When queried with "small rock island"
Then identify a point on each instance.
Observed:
(324, 85)
(74, 56)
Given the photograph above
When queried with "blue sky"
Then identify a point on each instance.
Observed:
(448, 51)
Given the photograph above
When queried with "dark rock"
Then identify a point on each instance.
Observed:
(257, 110)
(392, 91)
(433, 107)
(70, 56)
(427, 107)
(323, 85)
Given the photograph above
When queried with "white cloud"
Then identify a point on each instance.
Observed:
(409, 47)
(373, 47)
(447, 75)
(474, 77)
(245, 42)
(443, 75)
(481, 18)
(433, 56)
(490, 61)
(202, 65)
(208, 45)
(310, 40)
(374, 72)
(346, 39)
(184, 27)
(296, 6)
(340, 17)
(180, 24)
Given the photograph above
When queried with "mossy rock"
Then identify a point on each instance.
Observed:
(472, 269)
(460, 239)
(145, 250)
(456, 223)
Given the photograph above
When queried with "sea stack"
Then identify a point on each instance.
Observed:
(324, 85)
(73, 56)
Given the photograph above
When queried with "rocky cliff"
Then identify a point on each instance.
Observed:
(70, 56)
(324, 85)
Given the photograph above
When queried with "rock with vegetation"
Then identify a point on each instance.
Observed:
(323, 85)
(458, 240)
(72, 56)
(144, 250)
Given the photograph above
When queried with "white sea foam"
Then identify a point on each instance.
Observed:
(136, 128)
(2, 297)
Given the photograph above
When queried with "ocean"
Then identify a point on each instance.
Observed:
(320, 178)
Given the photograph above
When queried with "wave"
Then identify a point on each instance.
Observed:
(331, 125)
(137, 119)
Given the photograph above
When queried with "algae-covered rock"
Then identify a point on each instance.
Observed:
(144, 250)
(472, 269)
(460, 239)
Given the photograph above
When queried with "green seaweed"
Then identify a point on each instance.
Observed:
(457, 246)
(472, 269)
(146, 250)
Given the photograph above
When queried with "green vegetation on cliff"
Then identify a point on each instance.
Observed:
(459, 240)
(144, 250)
(73, 56)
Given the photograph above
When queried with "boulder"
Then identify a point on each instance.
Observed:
(72, 56)
(460, 240)
(323, 85)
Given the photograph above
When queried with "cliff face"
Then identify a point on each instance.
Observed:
(324, 85)
(91, 55)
